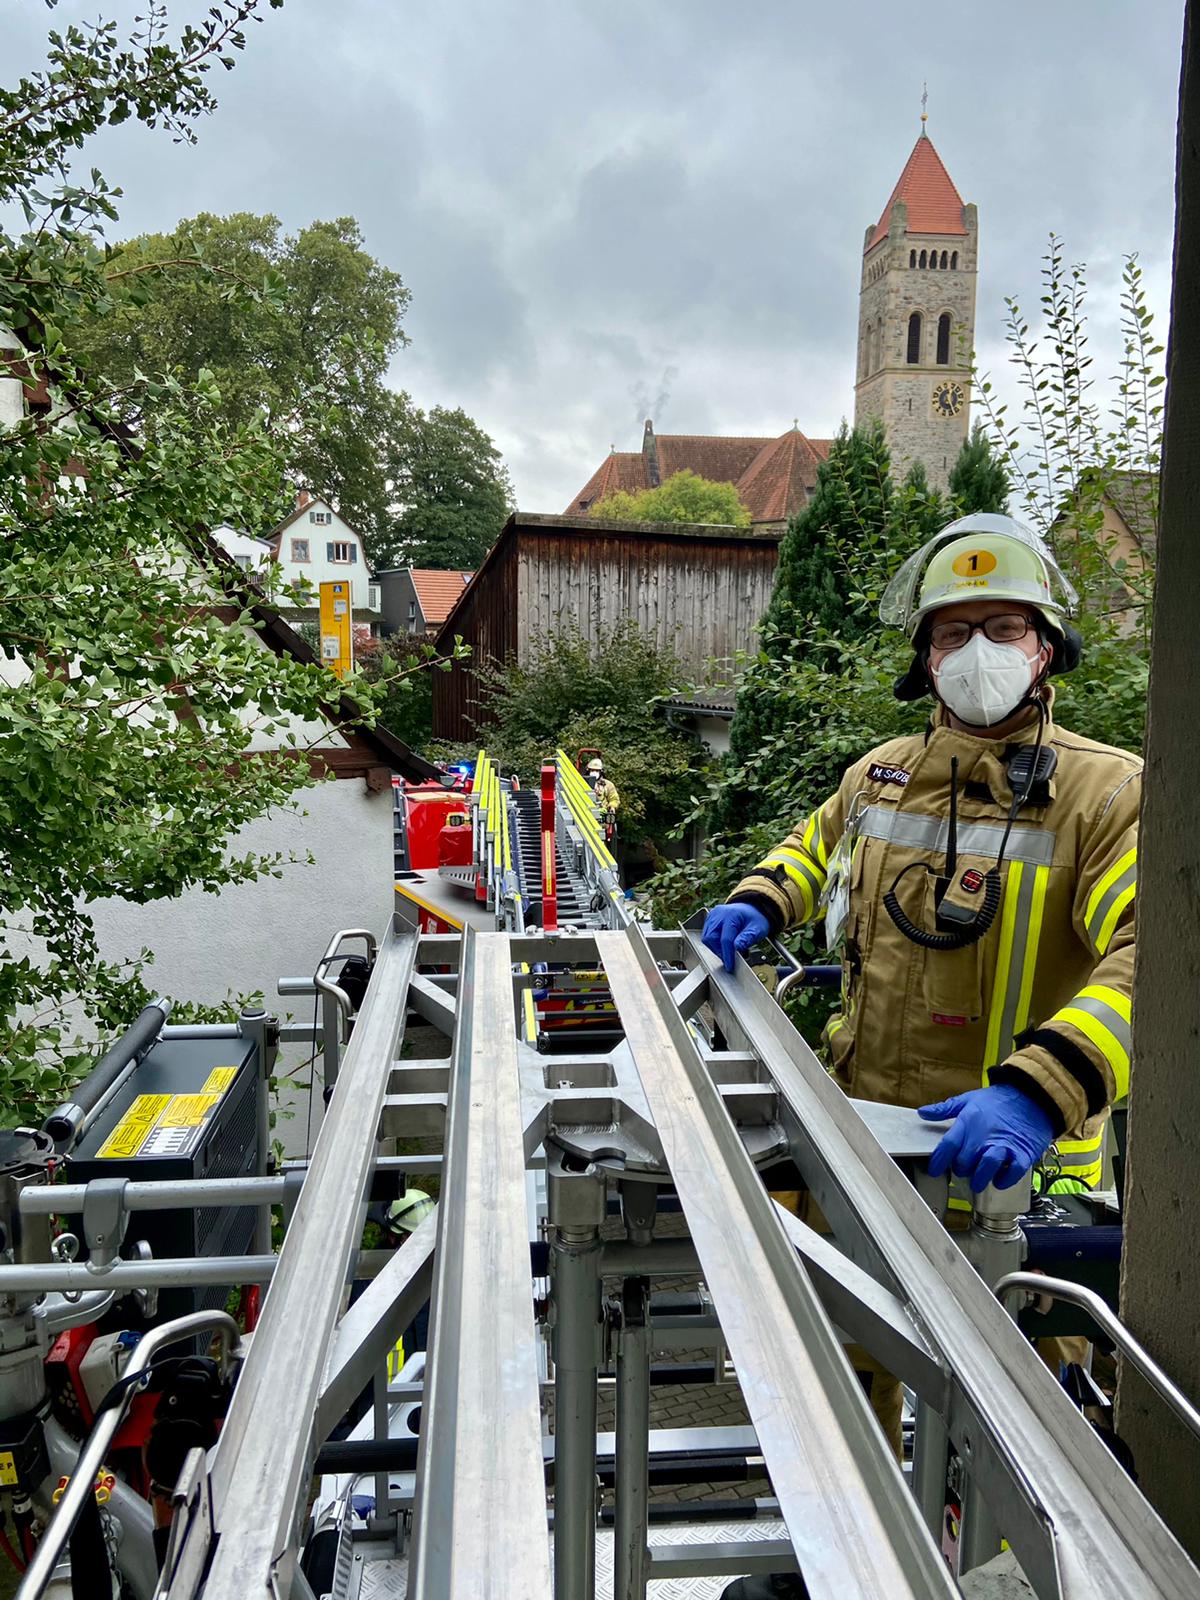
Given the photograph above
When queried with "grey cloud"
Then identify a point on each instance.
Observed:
(583, 198)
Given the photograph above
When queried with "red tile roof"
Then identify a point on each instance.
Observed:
(934, 204)
(774, 477)
(623, 470)
(780, 478)
(708, 455)
(438, 592)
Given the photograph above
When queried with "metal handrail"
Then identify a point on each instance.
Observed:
(91, 1457)
(1113, 1328)
(326, 985)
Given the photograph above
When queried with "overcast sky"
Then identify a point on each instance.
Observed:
(608, 211)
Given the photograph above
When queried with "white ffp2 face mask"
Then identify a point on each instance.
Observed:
(983, 683)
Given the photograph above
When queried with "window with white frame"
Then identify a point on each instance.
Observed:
(321, 518)
(342, 551)
(372, 597)
(300, 550)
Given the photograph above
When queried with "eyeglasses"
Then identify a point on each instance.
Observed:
(1004, 628)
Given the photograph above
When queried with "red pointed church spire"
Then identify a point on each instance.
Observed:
(934, 204)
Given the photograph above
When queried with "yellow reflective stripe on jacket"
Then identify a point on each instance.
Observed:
(802, 873)
(1016, 959)
(813, 841)
(1109, 898)
(1103, 1015)
(1081, 1159)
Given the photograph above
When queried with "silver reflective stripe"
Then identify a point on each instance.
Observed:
(919, 832)
(1106, 1014)
(1111, 895)
(1081, 1152)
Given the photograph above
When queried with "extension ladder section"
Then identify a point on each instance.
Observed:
(539, 1260)
(540, 859)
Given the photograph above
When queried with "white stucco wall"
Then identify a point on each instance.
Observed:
(247, 937)
(319, 569)
(12, 391)
(251, 553)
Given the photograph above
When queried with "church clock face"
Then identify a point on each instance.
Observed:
(948, 399)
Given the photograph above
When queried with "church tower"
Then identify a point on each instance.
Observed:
(916, 324)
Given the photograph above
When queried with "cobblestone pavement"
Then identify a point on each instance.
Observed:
(684, 1405)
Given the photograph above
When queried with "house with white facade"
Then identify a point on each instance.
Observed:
(314, 545)
(252, 555)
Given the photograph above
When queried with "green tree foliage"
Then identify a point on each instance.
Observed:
(978, 479)
(608, 696)
(405, 707)
(684, 497)
(450, 491)
(126, 705)
(818, 694)
(310, 355)
(833, 564)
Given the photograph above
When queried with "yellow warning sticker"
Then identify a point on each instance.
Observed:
(8, 1467)
(131, 1133)
(219, 1080)
(187, 1110)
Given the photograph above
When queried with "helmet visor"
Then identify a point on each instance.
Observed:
(901, 604)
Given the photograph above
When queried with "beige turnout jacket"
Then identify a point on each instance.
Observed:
(1043, 999)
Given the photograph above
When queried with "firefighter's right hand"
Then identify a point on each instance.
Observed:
(731, 930)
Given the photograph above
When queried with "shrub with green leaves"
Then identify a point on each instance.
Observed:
(684, 497)
(128, 703)
(607, 695)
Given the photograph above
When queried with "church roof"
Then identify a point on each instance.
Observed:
(934, 204)
(773, 477)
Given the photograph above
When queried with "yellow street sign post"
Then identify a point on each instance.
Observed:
(337, 634)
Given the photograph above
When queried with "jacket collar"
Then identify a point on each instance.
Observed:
(1023, 733)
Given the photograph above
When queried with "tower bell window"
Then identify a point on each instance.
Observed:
(943, 340)
(914, 339)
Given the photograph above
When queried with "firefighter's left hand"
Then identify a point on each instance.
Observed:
(997, 1136)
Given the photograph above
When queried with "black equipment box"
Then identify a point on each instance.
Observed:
(188, 1110)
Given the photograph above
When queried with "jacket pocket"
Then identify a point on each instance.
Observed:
(952, 980)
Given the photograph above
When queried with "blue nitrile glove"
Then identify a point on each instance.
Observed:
(729, 929)
(997, 1136)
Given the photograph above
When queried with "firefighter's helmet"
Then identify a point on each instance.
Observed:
(408, 1212)
(596, 766)
(984, 556)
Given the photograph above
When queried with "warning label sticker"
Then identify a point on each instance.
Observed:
(219, 1080)
(129, 1135)
(8, 1467)
(179, 1128)
(166, 1124)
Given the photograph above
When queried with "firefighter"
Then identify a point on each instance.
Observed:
(979, 877)
(604, 789)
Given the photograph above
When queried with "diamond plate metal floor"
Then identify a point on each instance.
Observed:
(388, 1580)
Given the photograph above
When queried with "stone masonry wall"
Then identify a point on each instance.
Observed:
(888, 386)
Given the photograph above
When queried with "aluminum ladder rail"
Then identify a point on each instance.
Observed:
(1077, 1524)
(243, 1515)
(581, 842)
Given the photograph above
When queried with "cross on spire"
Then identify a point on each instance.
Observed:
(924, 105)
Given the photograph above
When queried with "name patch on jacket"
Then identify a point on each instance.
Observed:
(877, 773)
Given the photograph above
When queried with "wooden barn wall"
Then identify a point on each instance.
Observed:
(487, 622)
(700, 598)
